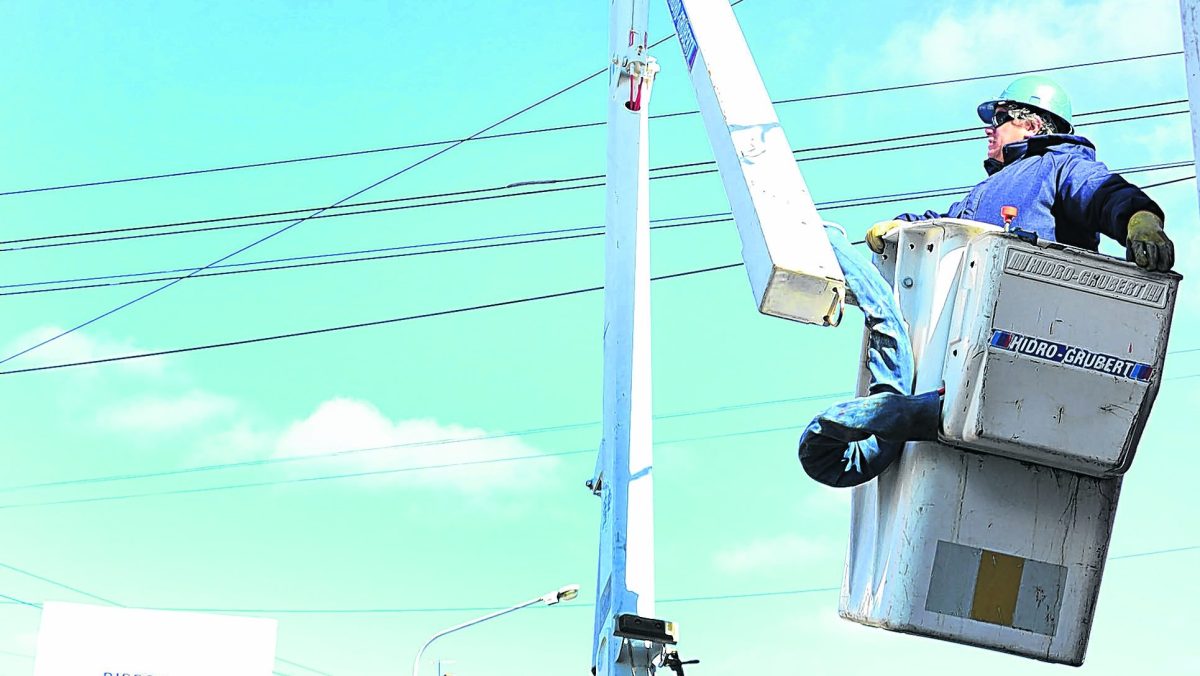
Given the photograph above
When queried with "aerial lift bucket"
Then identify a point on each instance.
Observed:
(1051, 357)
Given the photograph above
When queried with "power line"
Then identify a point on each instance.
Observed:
(99, 283)
(418, 468)
(557, 128)
(76, 590)
(60, 585)
(448, 441)
(372, 473)
(340, 453)
(481, 609)
(1177, 180)
(20, 602)
(507, 191)
(378, 322)
(315, 214)
(1156, 552)
(306, 668)
(479, 243)
(345, 327)
(451, 142)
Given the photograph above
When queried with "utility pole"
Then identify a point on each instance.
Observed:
(1189, 13)
(792, 270)
(623, 478)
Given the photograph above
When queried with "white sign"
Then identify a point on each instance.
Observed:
(83, 640)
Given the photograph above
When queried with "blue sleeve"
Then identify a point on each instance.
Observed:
(928, 215)
(954, 209)
(1092, 199)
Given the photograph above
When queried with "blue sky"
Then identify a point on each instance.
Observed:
(111, 90)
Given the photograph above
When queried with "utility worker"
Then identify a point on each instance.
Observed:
(1036, 164)
(1061, 193)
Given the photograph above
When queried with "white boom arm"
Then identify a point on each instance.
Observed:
(791, 265)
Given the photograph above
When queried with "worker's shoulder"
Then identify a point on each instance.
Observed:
(1062, 147)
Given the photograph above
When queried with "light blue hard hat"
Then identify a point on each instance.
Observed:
(1038, 93)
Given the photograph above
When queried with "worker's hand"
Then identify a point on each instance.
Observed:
(1145, 242)
(876, 232)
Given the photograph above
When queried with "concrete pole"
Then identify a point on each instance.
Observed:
(625, 570)
(1189, 11)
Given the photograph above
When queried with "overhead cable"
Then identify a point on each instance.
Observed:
(383, 610)
(297, 222)
(451, 441)
(412, 445)
(20, 602)
(399, 470)
(76, 590)
(489, 193)
(378, 322)
(358, 325)
(366, 473)
(473, 244)
(566, 127)
(61, 585)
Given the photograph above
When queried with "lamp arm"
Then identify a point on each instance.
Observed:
(464, 625)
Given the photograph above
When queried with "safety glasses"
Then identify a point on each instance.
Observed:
(1001, 118)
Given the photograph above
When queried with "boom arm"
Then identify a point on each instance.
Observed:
(791, 265)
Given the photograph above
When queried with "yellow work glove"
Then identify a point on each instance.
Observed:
(1146, 244)
(876, 232)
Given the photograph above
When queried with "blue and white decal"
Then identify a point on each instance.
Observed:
(683, 29)
(1070, 355)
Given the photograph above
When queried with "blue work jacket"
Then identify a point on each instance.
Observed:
(1060, 191)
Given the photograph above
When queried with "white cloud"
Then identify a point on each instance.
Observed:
(827, 501)
(165, 414)
(240, 440)
(352, 424)
(988, 36)
(75, 347)
(788, 551)
(1168, 141)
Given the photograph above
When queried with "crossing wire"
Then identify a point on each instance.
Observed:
(368, 473)
(506, 191)
(449, 441)
(20, 602)
(382, 322)
(558, 128)
(76, 590)
(61, 585)
(345, 327)
(475, 244)
(297, 222)
(407, 168)
(579, 606)
(483, 609)
(403, 470)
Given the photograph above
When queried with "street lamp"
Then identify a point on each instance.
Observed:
(565, 594)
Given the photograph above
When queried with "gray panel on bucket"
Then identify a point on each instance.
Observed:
(952, 583)
(1040, 599)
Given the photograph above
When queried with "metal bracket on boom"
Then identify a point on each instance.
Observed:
(640, 69)
(644, 642)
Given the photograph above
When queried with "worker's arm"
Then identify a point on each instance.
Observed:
(912, 218)
(876, 232)
(1092, 199)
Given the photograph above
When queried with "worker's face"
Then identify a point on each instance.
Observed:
(1009, 131)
